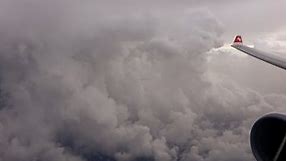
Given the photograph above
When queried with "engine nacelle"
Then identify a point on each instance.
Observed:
(267, 138)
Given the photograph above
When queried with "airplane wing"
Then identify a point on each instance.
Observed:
(267, 57)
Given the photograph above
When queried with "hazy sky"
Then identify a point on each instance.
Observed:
(134, 80)
(250, 18)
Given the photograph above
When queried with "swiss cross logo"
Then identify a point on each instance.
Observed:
(238, 39)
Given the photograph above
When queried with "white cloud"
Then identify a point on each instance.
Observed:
(84, 84)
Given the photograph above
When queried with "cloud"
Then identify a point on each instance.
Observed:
(274, 42)
(80, 84)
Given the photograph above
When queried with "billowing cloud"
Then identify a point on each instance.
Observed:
(80, 84)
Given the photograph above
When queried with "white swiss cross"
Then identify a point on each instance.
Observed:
(238, 39)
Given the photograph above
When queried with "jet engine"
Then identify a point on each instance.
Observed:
(268, 138)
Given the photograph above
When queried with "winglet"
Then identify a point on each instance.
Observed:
(237, 40)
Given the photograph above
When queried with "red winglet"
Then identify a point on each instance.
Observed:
(238, 39)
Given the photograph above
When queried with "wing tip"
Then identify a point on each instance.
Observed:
(238, 39)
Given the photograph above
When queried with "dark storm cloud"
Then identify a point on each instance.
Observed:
(90, 81)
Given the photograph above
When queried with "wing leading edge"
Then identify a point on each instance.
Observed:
(267, 57)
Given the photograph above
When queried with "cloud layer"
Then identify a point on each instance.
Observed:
(79, 84)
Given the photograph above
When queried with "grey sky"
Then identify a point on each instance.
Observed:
(247, 17)
(135, 80)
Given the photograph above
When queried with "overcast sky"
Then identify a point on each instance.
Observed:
(249, 18)
(134, 80)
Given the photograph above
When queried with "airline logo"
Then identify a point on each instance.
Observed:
(238, 39)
